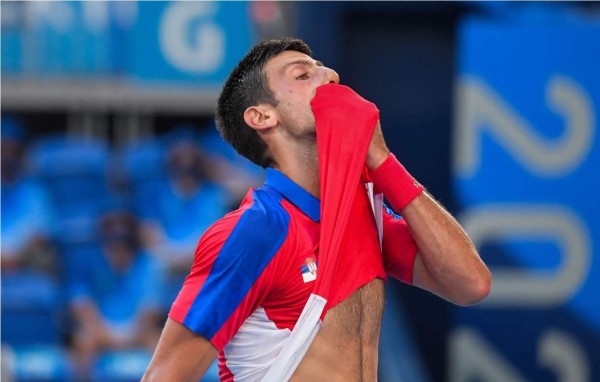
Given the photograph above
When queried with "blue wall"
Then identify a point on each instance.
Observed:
(526, 163)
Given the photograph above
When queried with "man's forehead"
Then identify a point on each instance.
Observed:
(287, 57)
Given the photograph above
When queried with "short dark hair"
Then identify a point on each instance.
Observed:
(247, 86)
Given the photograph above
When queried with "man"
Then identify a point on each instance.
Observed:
(245, 294)
(176, 211)
(27, 210)
(115, 298)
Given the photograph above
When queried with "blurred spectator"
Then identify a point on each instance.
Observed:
(116, 299)
(180, 208)
(228, 168)
(27, 213)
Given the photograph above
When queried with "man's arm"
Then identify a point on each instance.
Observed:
(447, 262)
(228, 281)
(181, 355)
(86, 315)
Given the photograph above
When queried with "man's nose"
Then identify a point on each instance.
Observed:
(330, 76)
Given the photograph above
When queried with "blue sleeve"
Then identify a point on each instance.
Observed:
(223, 289)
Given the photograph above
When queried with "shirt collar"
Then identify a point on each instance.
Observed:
(301, 198)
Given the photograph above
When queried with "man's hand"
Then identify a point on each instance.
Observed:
(378, 151)
(447, 262)
(338, 102)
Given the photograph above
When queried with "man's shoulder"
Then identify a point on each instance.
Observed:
(260, 222)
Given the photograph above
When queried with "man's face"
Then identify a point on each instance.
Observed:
(11, 158)
(293, 78)
(185, 161)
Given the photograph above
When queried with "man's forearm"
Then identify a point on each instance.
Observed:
(448, 255)
(447, 263)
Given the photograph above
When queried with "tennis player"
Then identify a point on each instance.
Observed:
(254, 269)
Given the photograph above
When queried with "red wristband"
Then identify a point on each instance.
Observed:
(396, 183)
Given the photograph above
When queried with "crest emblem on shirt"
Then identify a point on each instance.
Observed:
(309, 270)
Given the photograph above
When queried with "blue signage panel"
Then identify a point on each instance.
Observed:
(189, 41)
(11, 37)
(56, 39)
(527, 175)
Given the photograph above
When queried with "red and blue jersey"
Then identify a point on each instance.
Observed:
(255, 268)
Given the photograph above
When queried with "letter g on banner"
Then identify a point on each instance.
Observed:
(190, 38)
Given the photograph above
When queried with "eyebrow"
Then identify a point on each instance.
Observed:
(301, 62)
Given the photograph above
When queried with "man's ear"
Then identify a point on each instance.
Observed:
(261, 117)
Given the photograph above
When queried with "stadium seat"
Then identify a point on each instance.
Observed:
(37, 363)
(75, 172)
(76, 257)
(139, 165)
(58, 156)
(121, 366)
(129, 366)
(30, 305)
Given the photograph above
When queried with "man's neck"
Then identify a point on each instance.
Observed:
(301, 164)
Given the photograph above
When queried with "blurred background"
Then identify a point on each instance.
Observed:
(112, 169)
